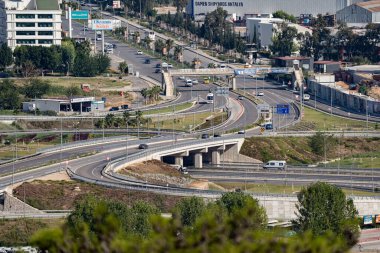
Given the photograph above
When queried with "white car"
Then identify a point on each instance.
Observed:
(139, 52)
(195, 81)
(189, 83)
(181, 78)
(170, 66)
(164, 65)
(260, 93)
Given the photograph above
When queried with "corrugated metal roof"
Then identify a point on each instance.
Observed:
(47, 5)
(372, 6)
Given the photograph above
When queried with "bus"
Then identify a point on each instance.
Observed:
(210, 98)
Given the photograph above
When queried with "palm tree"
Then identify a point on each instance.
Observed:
(178, 50)
(169, 45)
(156, 91)
(136, 37)
(147, 42)
(145, 93)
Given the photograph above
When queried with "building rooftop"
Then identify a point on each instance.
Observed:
(47, 5)
(290, 58)
(372, 6)
(327, 62)
(366, 68)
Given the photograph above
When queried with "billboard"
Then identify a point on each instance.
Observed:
(79, 15)
(367, 219)
(102, 24)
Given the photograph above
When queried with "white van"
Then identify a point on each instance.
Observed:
(189, 83)
(306, 97)
(281, 165)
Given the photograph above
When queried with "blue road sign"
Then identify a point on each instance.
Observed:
(79, 15)
(282, 109)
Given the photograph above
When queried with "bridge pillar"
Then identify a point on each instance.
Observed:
(215, 157)
(178, 160)
(198, 161)
(234, 83)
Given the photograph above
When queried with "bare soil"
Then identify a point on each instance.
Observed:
(61, 195)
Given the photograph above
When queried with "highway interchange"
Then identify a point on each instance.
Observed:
(89, 161)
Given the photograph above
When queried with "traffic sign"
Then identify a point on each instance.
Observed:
(263, 108)
(222, 91)
(282, 109)
(79, 15)
(251, 71)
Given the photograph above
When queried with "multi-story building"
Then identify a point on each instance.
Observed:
(360, 13)
(30, 22)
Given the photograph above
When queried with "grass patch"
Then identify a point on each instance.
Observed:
(217, 120)
(181, 122)
(367, 160)
(177, 108)
(297, 150)
(62, 195)
(281, 189)
(315, 120)
(17, 232)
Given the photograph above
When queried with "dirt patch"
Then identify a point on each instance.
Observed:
(156, 172)
(61, 195)
(201, 185)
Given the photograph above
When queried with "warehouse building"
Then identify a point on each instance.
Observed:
(360, 13)
(30, 22)
(79, 104)
(240, 9)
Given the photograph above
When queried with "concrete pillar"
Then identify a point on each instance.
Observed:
(198, 161)
(215, 157)
(178, 160)
(234, 83)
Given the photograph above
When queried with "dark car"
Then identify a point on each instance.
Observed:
(114, 45)
(157, 71)
(268, 126)
(143, 146)
(147, 61)
(124, 107)
(205, 136)
(115, 108)
(217, 135)
(158, 65)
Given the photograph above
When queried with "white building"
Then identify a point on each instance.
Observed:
(248, 8)
(262, 30)
(30, 22)
(360, 13)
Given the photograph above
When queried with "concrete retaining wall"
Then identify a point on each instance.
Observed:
(343, 98)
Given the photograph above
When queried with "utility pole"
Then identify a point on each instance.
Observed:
(70, 24)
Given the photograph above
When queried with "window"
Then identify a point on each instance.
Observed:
(48, 16)
(45, 33)
(24, 16)
(44, 24)
(25, 33)
(45, 41)
(25, 42)
(25, 24)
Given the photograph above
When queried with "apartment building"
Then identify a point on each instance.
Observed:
(30, 22)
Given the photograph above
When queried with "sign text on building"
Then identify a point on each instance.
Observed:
(102, 24)
(79, 15)
(219, 4)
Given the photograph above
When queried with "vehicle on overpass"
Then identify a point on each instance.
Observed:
(98, 35)
(210, 98)
(280, 165)
(189, 83)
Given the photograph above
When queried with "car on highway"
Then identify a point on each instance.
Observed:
(181, 78)
(217, 135)
(157, 71)
(241, 131)
(280, 165)
(223, 66)
(306, 97)
(195, 81)
(189, 83)
(158, 65)
(143, 146)
(260, 93)
(268, 126)
(114, 108)
(240, 97)
(170, 66)
(164, 65)
(205, 136)
(147, 61)
(139, 52)
(85, 28)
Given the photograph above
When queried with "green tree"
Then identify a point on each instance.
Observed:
(189, 209)
(159, 45)
(322, 208)
(283, 41)
(85, 65)
(283, 15)
(68, 55)
(321, 143)
(123, 68)
(103, 62)
(36, 88)
(9, 95)
(6, 58)
(110, 120)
